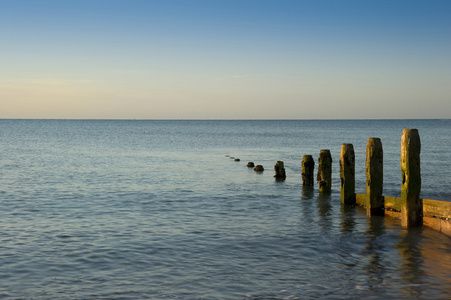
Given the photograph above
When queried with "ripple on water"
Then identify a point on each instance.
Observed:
(152, 215)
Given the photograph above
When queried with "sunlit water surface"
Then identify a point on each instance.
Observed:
(155, 210)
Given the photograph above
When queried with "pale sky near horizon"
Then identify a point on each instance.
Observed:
(225, 59)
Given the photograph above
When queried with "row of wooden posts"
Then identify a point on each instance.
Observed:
(412, 205)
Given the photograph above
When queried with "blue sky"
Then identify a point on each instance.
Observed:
(301, 59)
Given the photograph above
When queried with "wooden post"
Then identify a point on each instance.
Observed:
(374, 177)
(324, 176)
(308, 167)
(411, 204)
(280, 170)
(347, 174)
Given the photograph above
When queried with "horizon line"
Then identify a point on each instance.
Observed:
(225, 119)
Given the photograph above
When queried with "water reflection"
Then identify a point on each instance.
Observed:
(306, 201)
(324, 211)
(307, 192)
(347, 224)
(347, 250)
(410, 267)
(374, 251)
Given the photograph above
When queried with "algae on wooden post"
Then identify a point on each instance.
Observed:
(324, 176)
(347, 174)
(411, 204)
(374, 177)
(280, 170)
(308, 167)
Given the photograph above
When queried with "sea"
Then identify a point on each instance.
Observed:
(158, 209)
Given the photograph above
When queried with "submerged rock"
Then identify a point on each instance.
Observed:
(259, 168)
(237, 159)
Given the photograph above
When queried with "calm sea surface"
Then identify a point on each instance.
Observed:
(155, 210)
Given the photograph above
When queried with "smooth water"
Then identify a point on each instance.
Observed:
(155, 210)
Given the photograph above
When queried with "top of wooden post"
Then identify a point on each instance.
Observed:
(411, 140)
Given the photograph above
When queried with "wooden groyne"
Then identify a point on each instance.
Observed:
(410, 208)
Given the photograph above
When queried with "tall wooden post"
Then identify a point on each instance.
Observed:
(412, 205)
(308, 167)
(280, 170)
(324, 176)
(347, 174)
(374, 177)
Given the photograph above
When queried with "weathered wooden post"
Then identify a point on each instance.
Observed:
(411, 204)
(280, 170)
(324, 176)
(347, 174)
(308, 167)
(374, 177)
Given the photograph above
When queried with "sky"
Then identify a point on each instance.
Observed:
(225, 59)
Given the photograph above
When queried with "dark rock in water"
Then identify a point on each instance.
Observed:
(231, 157)
(237, 159)
(227, 155)
(259, 168)
(250, 164)
(280, 170)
